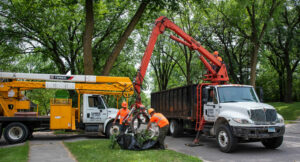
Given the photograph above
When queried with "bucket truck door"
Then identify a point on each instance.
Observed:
(95, 110)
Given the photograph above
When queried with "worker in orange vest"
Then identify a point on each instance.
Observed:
(216, 53)
(163, 125)
(123, 114)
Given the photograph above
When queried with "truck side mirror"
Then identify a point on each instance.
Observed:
(204, 95)
(261, 94)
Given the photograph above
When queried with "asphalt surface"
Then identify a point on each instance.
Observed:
(289, 151)
(45, 145)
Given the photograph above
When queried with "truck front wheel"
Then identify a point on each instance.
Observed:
(272, 143)
(15, 132)
(175, 128)
(108, 129)
(227, 142)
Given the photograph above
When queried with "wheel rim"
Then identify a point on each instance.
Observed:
(136, 124)
(114, 130)
(154, 131)
(142, 119)
(172, 127)
(15, 133)
(223, 138)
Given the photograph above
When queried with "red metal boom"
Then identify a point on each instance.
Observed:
(218, 74)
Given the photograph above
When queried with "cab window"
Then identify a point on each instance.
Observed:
(212, 97)
(96, 102)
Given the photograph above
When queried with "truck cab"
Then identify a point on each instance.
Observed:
(236, 114)
(96, 115)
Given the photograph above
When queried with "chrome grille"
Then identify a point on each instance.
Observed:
(262, 117)
(271, 115)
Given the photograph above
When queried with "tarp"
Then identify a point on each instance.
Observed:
(129, 142)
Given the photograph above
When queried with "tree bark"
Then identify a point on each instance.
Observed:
(281, 82)
(253, 65)
(122, 40)
(87, 40)
(289, 79)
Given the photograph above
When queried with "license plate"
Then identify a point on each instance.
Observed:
(271, 130)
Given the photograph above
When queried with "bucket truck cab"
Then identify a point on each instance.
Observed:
(96, 115)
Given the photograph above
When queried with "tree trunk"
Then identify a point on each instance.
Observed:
(288, 85)
(253, 64)
(87, 39)
(281, 82)
(122, 40)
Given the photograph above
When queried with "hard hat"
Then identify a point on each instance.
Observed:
(124, 104)
(150, 110)
(216, 53)
(220, 59)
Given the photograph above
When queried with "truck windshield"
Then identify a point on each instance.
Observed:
(236, 94)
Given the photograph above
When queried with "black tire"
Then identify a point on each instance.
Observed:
(15, 132)
(175, 128)
(30, 132)
(107, 129)
(272, 143)
(226, 140)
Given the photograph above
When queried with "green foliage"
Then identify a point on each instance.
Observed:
(41, 97)
(46, 37)
(289, 111)
(98, 150)
(144, 136)
(15, 153)
(62, 94)
(113, 141)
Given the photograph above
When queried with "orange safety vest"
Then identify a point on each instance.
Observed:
(123, 113)
(160, 119)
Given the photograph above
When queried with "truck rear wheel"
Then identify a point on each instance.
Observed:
(15, 132)
(272, 143)
(227, 142)
(175, 128)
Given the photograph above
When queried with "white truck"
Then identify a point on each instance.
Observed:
(231, 113)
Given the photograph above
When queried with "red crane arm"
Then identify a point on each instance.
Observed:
(218, 74)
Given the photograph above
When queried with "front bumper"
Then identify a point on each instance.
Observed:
(258, 132)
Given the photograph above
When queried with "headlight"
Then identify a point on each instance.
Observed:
(242, 121)
(280, 119)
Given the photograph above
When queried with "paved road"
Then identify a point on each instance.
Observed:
(289, 151)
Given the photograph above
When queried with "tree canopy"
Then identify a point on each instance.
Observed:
(258, 40)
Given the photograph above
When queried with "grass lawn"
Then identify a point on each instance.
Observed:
(98, 150)
(14, 153)
(289, 111)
